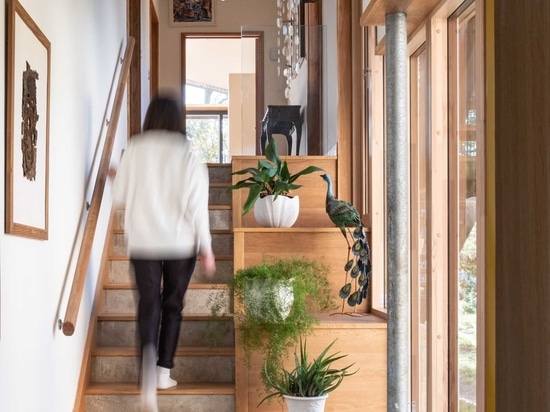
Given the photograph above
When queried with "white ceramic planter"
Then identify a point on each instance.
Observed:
(282, 212)
(298, 404)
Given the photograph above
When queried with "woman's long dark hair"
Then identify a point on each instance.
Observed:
(163, 113)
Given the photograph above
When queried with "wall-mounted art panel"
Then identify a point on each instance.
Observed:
(27, 125)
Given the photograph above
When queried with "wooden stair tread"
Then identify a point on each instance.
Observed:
(220, 184)
(194, 286)
(180, 351)
(218, 164)
(126, 257)
(212, 231)
(186, 316)
(185, 388)
(219, 207)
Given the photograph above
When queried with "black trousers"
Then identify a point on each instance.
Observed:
(161, 303)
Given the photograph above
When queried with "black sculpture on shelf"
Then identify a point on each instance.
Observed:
(285, 120)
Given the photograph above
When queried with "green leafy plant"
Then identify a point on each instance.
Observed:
(271, 177)
(262, 328)
(308, 378)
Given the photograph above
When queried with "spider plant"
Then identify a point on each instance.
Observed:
(264, 331)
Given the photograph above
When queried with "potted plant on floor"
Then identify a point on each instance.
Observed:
(269, 186)
(306, 387)
(275, 304)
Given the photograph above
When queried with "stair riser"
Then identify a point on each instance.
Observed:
(220, 174)
(166, 403)
(219, 196)
(219, 219)
(195, 334)
(222, 244)
(120, 271)
(124, 301)
(186, 369)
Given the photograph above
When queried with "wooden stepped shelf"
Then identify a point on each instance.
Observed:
(181, 351)
(188, 388)
(350, 320)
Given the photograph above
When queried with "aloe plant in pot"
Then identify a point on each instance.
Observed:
(269, 189)
(306, 387)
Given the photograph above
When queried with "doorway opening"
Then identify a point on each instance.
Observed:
(222, 92)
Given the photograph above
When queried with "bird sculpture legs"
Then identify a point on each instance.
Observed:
(348, 265)
(345, 234)
(358, 268)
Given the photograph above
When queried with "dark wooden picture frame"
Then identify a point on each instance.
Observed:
(27, 126)
(191, 12)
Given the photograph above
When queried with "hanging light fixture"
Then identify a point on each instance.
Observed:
(288, 40)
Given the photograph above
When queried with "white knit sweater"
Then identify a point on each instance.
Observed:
(164, 190)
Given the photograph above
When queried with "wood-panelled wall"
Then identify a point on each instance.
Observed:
(522, 203)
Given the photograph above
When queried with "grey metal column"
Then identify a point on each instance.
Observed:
(397, 149)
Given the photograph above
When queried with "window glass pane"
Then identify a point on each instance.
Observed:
(465, 204)
(208, 134)
(419, 219)
(202, 94)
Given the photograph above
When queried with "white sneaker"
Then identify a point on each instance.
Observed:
(149, 381)
(164, 381)
(151, 407)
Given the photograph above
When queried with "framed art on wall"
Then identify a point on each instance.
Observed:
(191, 12)
(27, 125)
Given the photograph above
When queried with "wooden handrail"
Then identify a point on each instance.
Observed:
(79, 279)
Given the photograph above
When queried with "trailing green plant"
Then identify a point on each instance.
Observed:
(262, 328)
(308, 378)
(270, 177)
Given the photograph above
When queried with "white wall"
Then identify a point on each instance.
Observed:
(230, 16)
(330, 139)
(39, 366)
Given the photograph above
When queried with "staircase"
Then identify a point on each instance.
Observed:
(205, 372)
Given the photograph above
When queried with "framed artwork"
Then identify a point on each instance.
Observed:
(27, 125)
(191, 12)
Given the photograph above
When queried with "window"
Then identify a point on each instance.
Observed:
(419, 228)
(207, 128)
(206, 121)
(374, 69)
(465, 169)
(447, 174)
